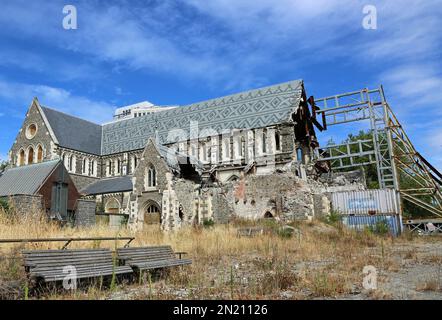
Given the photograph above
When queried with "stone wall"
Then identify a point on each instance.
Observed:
(26, 204)
(187, 196)
(280, 195)
(221, 207)
(85, 213)
(42, 137)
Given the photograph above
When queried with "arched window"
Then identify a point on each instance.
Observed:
(243, 146)
(151, 177)
(71, 162)
(264, 141)
(30, 155)
(40, 154)
(226, 149)
(299, 154)
(277, 141)
(112, 206)
(232, 154)
(21, 158)
(118, 164)
(85, 166)
(92, 165)
(109, 168)
(152, 213)
(193, 149)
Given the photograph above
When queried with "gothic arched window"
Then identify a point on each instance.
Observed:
(21, 158)
(40, 154)
(30, 155)
(151, 177)
(71, 163)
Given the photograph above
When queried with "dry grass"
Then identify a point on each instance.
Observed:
(323, 262)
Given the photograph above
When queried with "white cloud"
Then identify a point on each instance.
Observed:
(417, 85)
(57, 98)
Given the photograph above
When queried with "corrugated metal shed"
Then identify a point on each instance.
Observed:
(383, 201)
(109, 185)
(26, 180)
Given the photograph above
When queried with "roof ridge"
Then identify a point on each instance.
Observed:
(298, 81)
(33, 164)
(70, 115)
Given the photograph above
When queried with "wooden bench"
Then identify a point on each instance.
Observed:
(250, 232)
(150, 258)
(48, 265)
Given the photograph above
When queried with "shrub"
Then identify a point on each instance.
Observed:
(207, 223)
(334, 217)
(4, 204)
(286, 232)
(380, 228)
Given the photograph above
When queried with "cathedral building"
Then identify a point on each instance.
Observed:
(182, 164)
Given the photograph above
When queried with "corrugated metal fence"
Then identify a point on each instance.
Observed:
(361, 222)
(368, 208)
(365, 202)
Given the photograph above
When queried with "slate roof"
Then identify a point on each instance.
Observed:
(74, 133)
(109, 185)
(251, 109)
(26, 180)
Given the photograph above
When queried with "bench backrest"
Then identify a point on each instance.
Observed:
(56, 258)
(154, 253)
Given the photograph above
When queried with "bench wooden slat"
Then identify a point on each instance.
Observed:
(83, 275)
(48, 264)
(147, 258)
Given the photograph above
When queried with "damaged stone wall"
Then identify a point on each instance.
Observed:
(188, 197)
(25, 205)
(280, 195)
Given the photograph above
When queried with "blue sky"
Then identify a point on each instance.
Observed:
(178, 52)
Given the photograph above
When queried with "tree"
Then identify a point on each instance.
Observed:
(371, 173)
(3, 165)
(371, 176)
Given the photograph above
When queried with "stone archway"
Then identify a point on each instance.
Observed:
(151, 212)
(268, 215)
(113, 207)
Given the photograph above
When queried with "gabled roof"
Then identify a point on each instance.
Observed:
(74, 133)
(251, 109)
(26, 180)
(109, 185)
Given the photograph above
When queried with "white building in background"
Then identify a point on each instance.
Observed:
(138, 110)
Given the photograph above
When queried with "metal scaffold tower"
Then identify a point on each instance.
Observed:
(390, 148)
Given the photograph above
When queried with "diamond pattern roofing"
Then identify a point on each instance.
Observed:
(246, 110)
